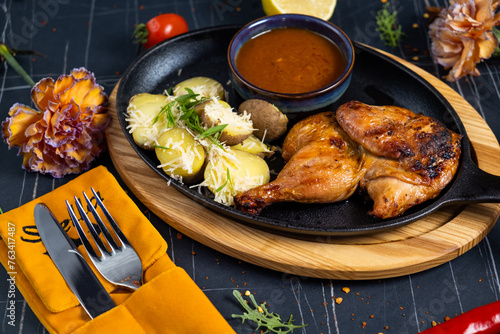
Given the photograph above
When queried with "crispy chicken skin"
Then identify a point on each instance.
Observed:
(398, 158)
(323, 165)
(416, 156)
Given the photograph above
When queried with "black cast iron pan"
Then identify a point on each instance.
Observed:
(376, 80)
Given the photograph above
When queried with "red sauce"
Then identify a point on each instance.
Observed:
(290, 60)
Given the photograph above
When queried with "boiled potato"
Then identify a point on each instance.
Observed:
(269, 122)
(204, 86)
(255, 146)
(180, 155)
(227, 175)
(215, 112)
(142, 110)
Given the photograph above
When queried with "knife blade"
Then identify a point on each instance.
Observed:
(71, 264)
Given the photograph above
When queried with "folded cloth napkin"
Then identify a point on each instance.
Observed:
(168, 302)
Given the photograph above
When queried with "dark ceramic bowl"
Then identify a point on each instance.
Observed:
(292, 103)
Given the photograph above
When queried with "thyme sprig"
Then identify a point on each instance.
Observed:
(389, 30)
(269, 321)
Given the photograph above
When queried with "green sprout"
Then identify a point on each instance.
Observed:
(269, 321)
(389, 30)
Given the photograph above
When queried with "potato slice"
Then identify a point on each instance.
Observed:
(142, 110)
(227, 175)
(215, 112)
(269, 122)
(255, 146)
(204, 86)
(180, 155)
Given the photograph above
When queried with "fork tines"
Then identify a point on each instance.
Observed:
(112, 245)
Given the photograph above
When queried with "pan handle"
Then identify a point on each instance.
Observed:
(473, 185)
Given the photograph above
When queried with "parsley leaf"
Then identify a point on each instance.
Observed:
(390, 32)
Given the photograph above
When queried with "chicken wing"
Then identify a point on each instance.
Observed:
(323, 165)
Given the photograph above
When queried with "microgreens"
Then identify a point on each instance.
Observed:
(390, 32)
(270, 321)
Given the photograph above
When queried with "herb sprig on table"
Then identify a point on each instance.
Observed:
(269, 321)
(387, 26)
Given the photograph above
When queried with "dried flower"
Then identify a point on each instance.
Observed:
(65, 134)
(462, 36)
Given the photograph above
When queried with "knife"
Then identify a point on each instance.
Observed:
(71, 264)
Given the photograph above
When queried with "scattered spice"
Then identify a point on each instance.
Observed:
(346, 289)
(338, 300)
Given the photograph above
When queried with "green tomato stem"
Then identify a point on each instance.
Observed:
(5, 53)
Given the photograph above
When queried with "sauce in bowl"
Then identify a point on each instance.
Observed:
(290, 60)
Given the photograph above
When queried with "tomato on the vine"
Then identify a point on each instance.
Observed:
(160, 28)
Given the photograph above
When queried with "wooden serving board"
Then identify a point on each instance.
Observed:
(429, 242)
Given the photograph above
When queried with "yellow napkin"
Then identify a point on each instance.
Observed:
(168, 302)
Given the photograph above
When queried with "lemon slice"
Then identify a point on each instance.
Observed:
(318, 8)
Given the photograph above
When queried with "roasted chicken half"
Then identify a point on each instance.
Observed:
(398, 158)
(416, 155)
(322, 165)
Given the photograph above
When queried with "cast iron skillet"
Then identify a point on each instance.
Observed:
(376, 80)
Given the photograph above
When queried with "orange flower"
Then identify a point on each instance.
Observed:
(65, 134)
(462, 36)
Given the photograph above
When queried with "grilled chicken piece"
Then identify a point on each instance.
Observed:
(417, 156)
(323, 165)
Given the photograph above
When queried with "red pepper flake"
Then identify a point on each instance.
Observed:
(141, 7)
(193, 253)
(372, 316)
(53, 29)
(179, 236)
(363, 324)
(446, 318)
(386, 327)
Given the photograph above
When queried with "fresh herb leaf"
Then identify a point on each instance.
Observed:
(166, 109)
(186, 103)
(214, 130)
(228, 180)
(163, 147)
(269, 321)
(496, 32)
(387, 26)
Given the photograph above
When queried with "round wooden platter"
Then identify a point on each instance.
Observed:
(429, 242)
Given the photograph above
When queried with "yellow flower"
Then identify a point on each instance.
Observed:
(65, 134)
(462, 36)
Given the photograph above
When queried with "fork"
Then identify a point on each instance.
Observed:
(119, 264)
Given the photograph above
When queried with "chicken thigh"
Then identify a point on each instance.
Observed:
(323, 165)
(416, 155)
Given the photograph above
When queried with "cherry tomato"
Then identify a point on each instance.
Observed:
(160, 28)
